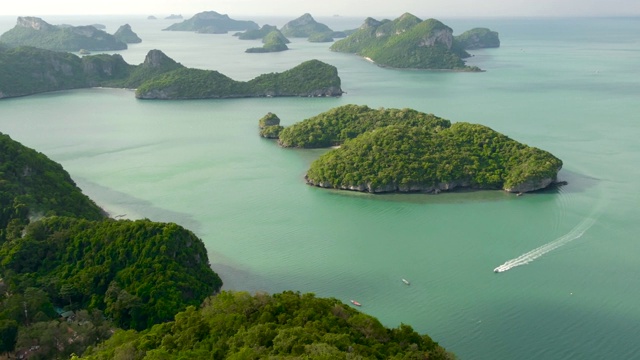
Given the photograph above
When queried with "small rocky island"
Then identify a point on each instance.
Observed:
(274, 41)
(126, 35)
(211, 22)
(411, 43)
(33, 31)
(403, 150)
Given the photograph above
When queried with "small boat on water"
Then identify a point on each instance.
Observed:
(355, 303)
(406, 281)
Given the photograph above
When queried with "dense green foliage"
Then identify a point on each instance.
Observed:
(211, 22)
(126, 35)
(406, 42)
(335, 126)
(304, 26)
(139, 272)
(478, 38)
(236, 325)
(273, 42)
(60, 38)
(29, 70)
(311, 78)
(270, 126)
(415, 158)
(32, 186)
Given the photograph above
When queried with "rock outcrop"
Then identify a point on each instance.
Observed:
(126, 35)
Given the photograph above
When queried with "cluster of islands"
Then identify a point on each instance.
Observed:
(75, 282)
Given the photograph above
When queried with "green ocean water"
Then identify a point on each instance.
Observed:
(569, 86)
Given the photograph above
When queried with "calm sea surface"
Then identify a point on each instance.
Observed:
(569, 86)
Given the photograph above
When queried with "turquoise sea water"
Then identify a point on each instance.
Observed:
(569, 86)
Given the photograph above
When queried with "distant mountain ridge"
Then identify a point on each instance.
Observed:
(211, 22)
(33, 31)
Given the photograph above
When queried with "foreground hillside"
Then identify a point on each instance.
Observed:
(391, 150)
(28, 70)
(236, 325)
(409, 42)
(68, 283)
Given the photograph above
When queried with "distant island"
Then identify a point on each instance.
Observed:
(29, 70)
(274, 41)
(126, 35)
(151, 17)
(211, 22)
(174, 17)
(33, 31)
(307, 27)
(403, 150)
(411, 43)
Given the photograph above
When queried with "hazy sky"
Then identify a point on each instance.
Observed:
(377, 8)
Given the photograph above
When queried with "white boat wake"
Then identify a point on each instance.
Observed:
(528, 257)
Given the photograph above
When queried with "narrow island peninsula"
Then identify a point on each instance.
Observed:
(403, 150)
(411, 43)
(30, 70)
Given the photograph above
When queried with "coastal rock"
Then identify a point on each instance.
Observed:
(532, 185)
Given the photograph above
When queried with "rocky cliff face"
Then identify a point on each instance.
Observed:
(34, 23)
(443, 36)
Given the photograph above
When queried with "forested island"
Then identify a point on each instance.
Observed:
(28, 70)
(273, 41)
(74, 282)
(403, 150)
(411, 43)
(33, 31)
(211, 22)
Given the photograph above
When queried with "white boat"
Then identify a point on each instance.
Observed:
(406, 281)
(355, 303)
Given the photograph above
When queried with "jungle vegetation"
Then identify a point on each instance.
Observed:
(288, 325)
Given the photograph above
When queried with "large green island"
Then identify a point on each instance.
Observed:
(76, 283)
(411, 43)
(27, 70)
(403, 150)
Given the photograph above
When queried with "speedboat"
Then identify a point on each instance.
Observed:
(355, 303)
(406, 281)
(498, 269)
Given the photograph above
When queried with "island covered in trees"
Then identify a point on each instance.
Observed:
(33, 31)
(412, 43)
(28, 70)
(211, 22)
(403, 150)
(74, 282)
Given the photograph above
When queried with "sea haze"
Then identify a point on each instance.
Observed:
(569, 86)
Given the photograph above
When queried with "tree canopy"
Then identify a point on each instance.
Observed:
(288, 325)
